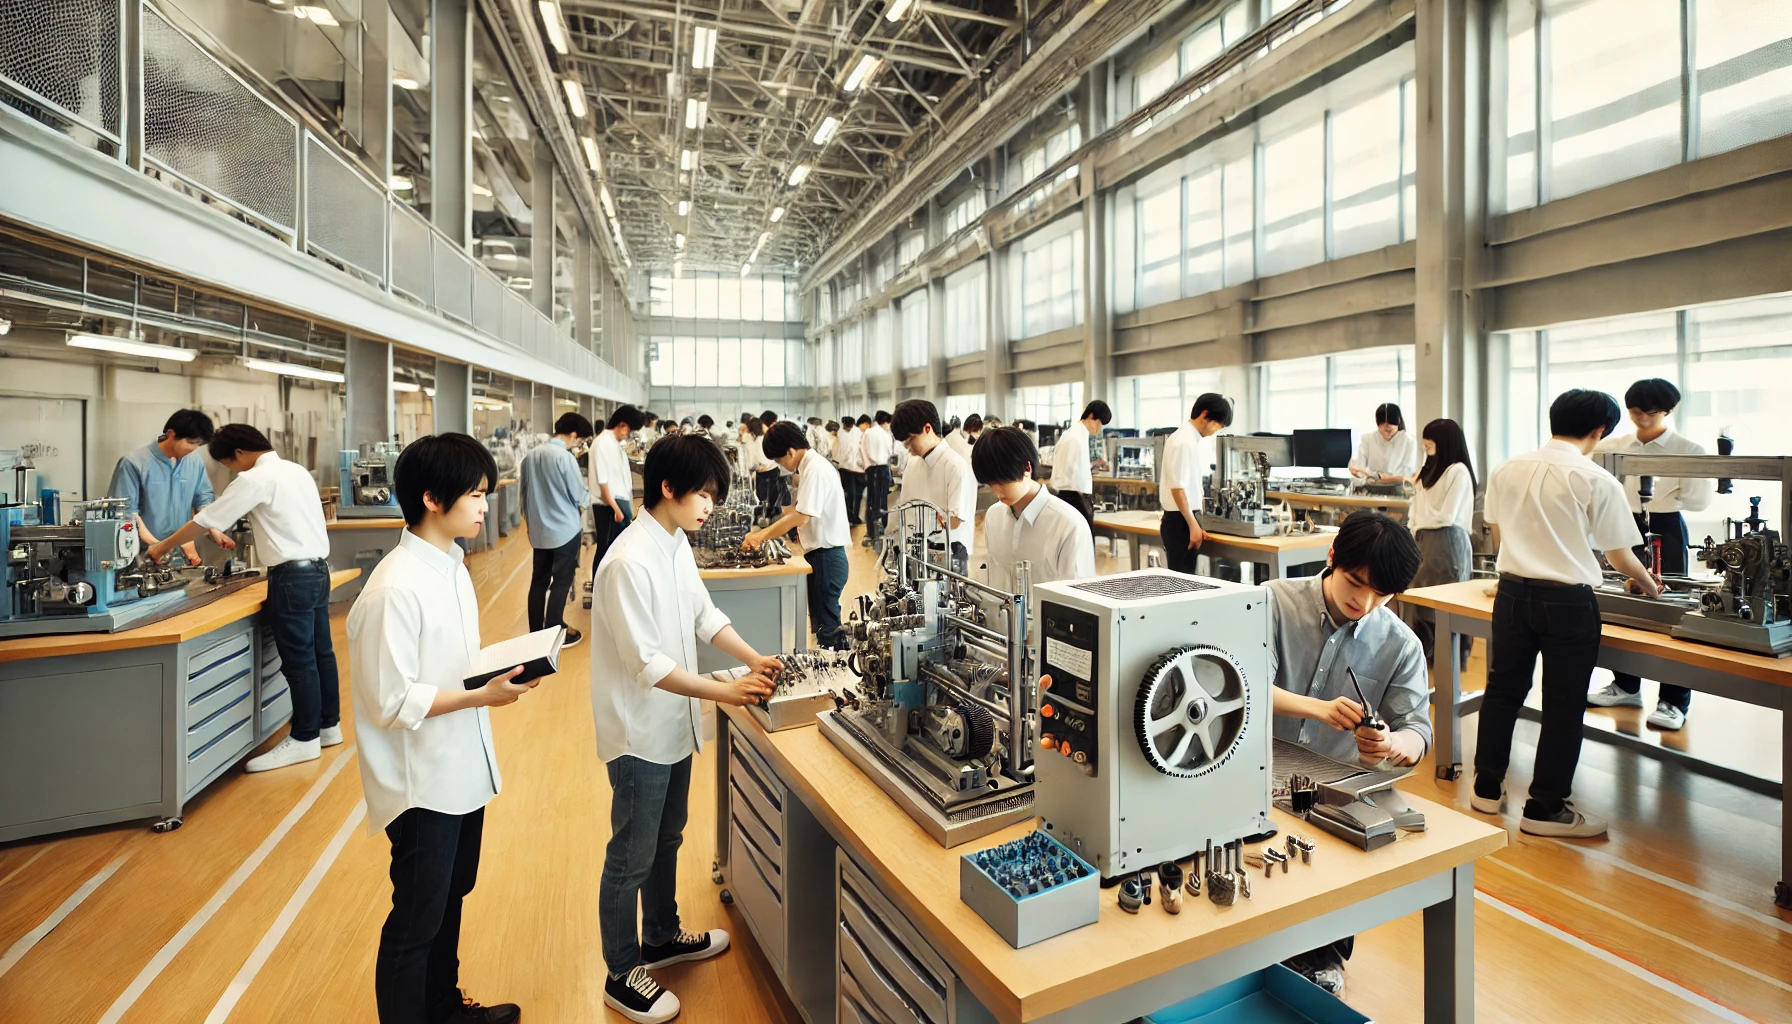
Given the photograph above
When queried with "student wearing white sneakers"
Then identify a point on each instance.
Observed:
(1029, 523)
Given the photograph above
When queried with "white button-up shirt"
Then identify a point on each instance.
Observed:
(1450, 503)
(879, 445)
(608, 465)
(1376, 454)
(1672, 494)
(1186, 462)
(820, 497)
(414, 630)
(1554, 508)
(849, 451)
(655, 610)
(1048, 533)
(944, 478)
(1071, 470)
(280, 498)
(961, 443)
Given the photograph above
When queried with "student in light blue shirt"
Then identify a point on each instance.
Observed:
(554, 503)
(164, 482)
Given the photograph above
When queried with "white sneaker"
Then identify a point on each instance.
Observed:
(289, 752)
(638, 997)
(1667, 716)
(1484, 805)
(331, 735)
(1567, 824)
(1609, 696)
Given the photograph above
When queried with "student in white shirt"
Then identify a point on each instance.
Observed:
(1180, 491)
(1029, 523)
(1072, 473)
(1550, 510)
(612, 481)
(1442, 514)
(937, 474)
(1651, 402)
(878, 446)
(964, 438)
(819, 519)
(1389, 455)
(428, 767)
(762, 471)
(281, 500)
(645, 701)
(849, 456)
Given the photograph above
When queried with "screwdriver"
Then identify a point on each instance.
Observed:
(1370, 719)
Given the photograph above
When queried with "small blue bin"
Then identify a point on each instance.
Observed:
(1274, 995)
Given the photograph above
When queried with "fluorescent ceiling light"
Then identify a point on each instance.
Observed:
(431, 392)
(799, 174)
(294, 370)
(406, 82)
(694, 113)
(867, 66)
(686, 159)
(406, 386)
(591, 158)
(830, 126)
(897, 9)
(550, 17)
(777, 214)
(678, 240)
(400, 183)
(684, 207)
(575, 96)
(603, 194)
(703, 47)
(745, 269)
(316, 13)
(481, 190)
(132, 347)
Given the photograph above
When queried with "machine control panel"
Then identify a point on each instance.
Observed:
(1069, 645)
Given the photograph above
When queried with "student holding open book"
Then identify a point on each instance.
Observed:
(425, 739)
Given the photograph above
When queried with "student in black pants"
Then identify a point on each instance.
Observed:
(1179, 487)
(879, 446)
(612, 482)
(554, 501)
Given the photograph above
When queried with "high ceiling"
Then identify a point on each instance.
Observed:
(779, 72)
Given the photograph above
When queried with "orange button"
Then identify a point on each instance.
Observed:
(1045, 711)
(1065, 747)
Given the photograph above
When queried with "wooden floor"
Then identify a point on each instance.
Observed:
(266, 906)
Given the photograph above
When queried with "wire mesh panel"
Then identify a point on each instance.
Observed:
(546, 344)
(65, 56)
(488, 303)
(345, 215)
(413, 266)
(209, 128)
(454, 281)
(516, 314)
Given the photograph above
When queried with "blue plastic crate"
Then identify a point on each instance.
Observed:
(1274, 995)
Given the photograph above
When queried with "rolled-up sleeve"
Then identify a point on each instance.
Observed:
(633, 626)
(388, 623)
(243, 494)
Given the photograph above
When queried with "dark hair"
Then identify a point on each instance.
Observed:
(1371, 542)
(1651, 395)
(833, 426)
(782, 438)
(447, 467)
(686, 462)
(973, 423)
(1215, 406)
(768, 417)
(237, 437)
(1003, 455)
(864, 420)
(650, 415)
(573, 423)
(815, 421)
(1579, 412)
(706, 421)
(882, 416)
(755, 426)
(189, 425)
(1452, 448)
(1388, 412)
(633, 417)
(911, 416)
(1098, 409)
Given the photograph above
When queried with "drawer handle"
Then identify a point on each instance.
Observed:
(853, 949)
(208, 719)
(752, 774)
(895, 943)
(754, 811)
(221, 737)
(753, 856)
(239, 677)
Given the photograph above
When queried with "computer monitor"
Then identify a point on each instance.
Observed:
(1107, 432)
(1326, 449)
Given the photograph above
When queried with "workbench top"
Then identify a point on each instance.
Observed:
(1348, 500)
(1146, 524)
(795, 565)
(375, 523)
(185, 626)
(1123, 481)
(1120, 949)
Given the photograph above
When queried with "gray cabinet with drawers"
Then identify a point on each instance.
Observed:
(886, 972)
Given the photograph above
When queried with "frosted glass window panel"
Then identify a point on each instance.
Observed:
(1614, 91)
(1739, 358)
(1366, 158)
(774, 298)
(728, 355)
(1151, 82)
(1294, 200)
(1202, 46)
(1409, 160)
(1238, 186)
(1236, 22)
(852, 353)
(1067, 277)
(1294, 394)
(752, 299)
(659, 364)
(1122, 242)
(1610, 355)
(774, 362)
(659, 295)
(962, 406)
(1366, 378)
(752, 362)
(1521, 106)
(1160, 400)
(706, 297)
(1160, 246)
(684, 298)
(1036, 299)
(1524, 408)
(912, 247)
(824, 362)
(728, 297)
(965, 318)
(706, 362)
(913, 317)
(793, 302)
(684, 362)
(1204, 241)
(1744, 59)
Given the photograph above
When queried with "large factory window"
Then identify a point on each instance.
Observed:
(1047, 403)
(1048, 280)
(966, 321)
(912, 319)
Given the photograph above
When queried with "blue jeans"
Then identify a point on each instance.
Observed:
(826, 580)
(648, 806)
(299, 614)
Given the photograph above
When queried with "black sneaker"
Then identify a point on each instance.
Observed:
(684, 948)
(638, 997)
(573, 637)
(470, 1012)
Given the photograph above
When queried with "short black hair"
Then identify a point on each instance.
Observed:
(1215, 405)
(189, 425)
(882, 416)
(650, 415)
(573, 423)
(911, 416)
(706, 421)
(1651, 395)
(1003, 455)
(447, 467)
(864, 420)
(1371, 542)
(1388, 412)
(628, 414)
(1098, 409)
(833, 426)
(754, 426)
(973, 423)
(237, 437)
(1579, 412)
(782, 439)
(686, 463)
(768, 417)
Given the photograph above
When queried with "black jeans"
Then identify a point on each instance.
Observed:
(435, 861)
(550, 582)
(605, 529)
(299, 614)
(1672, 528)
(1560, 622)
(1080, 501)
(877, 497)
(854, 486)
(1173, 531)
(827, 579)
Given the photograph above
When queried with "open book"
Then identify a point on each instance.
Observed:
(537, 652)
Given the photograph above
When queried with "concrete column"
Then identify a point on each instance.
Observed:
(997, 347)
(584, 257)
(453, 403)
(541, 409)
(369, 391)
(541, 242)
(1098, 365)
(376, 84)
(451, 119)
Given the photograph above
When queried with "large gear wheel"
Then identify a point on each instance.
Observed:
(1190, 710)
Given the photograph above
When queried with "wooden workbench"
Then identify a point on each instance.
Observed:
(1466, 609)
(769, 607)
(1125, 965)
(1280, 554)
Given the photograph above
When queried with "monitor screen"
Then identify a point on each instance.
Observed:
(1322, 449)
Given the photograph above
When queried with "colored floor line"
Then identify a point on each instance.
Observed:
(61, 913)
(1675, 884)
(15, 872)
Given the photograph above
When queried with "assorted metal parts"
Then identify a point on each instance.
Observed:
(1302, 791)
(366, 477)
(802, 691)
(1301, 845)
(1169, 873)
(1226, 883)
(1237, 502)
(1355, 804)
(1131, 895)
(1031, 888)
(1030, 865)
(720, 544)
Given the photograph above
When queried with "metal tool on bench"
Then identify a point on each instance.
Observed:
(1237, 502)
(1358, 805)
(1169, 874)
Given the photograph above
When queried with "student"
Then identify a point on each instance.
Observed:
(963, 438)
(1029, 523)
(612, 481)
(779, 480)
(819, 518)
(937, 474)
(1187, 459)
(1442, 514)
(554, 503)
(763, 470)
(164, 482)
(645, 695)
(1389, 455)
(849, 455)
(1550, 509)
(706, 424)
(879, 446)
(280, 498)
(428, 767)
(1650, 403)
(650, 429)
(1072, 473)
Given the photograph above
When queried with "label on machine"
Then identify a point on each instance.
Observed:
(1067, 711)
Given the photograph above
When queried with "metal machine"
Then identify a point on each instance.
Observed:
(1237, 503)
(1133, 458)
(939, 718)
(367, 476)
(1159, 714)
(719, 544)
